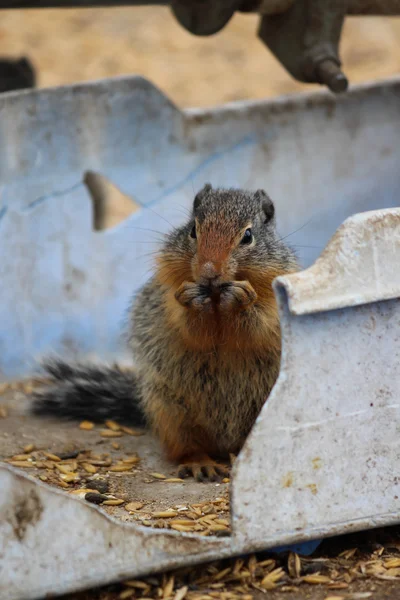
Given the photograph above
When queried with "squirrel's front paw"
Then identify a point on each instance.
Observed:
(193, 295)
(237, 294)
(202, 468)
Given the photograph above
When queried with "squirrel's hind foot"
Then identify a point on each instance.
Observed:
(202, 468)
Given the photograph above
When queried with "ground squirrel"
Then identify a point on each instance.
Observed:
(205, 337)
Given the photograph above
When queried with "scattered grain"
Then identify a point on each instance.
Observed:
(48, 464)
(65, 469)
(70, 477)
(391, 563)
(21, 457)
(100, 463)
(126, 594)
(4, 387)
(121, 468)
(181, 528)
(86, 425)
(52, 457)
(131, 460)
(294, 565)
(112, 425)
(168, 587)
(181, 593)
(29, 448)
(3, 412)
(108, 433)
(132, 506)
(129, 431)
(269, 581)
(89, 468)
(135, 583)
(316, 579)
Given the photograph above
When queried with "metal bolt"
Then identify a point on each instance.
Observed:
(329, 73)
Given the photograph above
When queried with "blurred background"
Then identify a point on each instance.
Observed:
(78, 45)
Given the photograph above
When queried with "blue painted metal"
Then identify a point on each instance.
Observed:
(305, 549)
(65, 287)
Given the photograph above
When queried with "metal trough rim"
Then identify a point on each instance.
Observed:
(283, 102)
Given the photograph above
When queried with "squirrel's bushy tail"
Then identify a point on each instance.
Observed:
(95, 393)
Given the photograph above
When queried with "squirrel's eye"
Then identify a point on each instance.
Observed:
(193, 232)
(247, 238)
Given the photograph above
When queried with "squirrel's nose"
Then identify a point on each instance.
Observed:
(211, 271)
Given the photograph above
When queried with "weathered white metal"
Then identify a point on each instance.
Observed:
(325, 449)
(358, 267)
(54, 543)
(322, 458)
(51, 543)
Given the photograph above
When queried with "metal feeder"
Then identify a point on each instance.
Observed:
(323, 455)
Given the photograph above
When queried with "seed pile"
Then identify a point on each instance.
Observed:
(87, 475)
(205, 518)
(70, 470)
(343, 577)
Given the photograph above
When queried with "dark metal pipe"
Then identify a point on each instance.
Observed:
(355, 7)
(374, 7)
(77, 3)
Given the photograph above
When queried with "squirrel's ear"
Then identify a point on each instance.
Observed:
(267, 205)
(201, 194)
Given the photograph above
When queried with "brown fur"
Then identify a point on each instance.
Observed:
(215, 324)
(205, 336)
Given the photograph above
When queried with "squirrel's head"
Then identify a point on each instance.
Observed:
(231, 236)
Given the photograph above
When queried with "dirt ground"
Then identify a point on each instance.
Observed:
(19, 429)
(78, 45)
